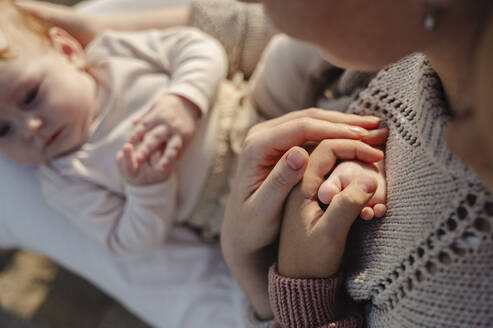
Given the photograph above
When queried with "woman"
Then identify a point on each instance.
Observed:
(428, 262)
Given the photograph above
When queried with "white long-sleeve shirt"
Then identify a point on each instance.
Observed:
(133, 70)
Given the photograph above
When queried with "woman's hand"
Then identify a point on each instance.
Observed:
(270, 165)
(312, 241)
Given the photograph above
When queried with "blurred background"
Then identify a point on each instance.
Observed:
(37, 293)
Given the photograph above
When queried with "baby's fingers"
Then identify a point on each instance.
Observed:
(131, 164)
(141, 127)
(329, 188)
(172, 151)
(152, 141)
(346, 207)
(379, 210)
(376, 137)
(367, 213)
(125, 161)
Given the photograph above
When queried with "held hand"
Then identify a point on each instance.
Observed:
(270, 165)
(170, 123)
(345, 174)
(312, 241)
(81, 26)
(268, 169)
(139, 174)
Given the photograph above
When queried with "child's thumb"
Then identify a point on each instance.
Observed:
(346, 206)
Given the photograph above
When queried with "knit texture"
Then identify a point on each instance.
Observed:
(429, 262)
(243, 30)
(310, 302)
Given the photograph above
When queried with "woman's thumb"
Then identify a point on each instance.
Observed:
(288, 171)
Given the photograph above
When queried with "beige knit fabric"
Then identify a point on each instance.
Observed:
(242, 29)
(429, 262)
(244, 32)
(235, 117)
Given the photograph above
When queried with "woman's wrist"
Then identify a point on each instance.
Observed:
(250, 271)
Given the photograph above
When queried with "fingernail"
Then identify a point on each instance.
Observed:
(374, 118)
(295, 159)
(358, 130)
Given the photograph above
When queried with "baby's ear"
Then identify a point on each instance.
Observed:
(64, 43)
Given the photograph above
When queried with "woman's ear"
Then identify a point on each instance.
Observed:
(67, 45)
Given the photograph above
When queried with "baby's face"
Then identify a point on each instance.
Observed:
(46, 106)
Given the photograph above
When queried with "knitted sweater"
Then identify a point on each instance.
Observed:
(428, 262)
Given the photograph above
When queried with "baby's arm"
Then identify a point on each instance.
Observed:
(347, 172)
(127, 225)
(196, 64)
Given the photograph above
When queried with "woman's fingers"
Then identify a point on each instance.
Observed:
(367, 122)
(325, 155)
(376, 137)
(297, 132)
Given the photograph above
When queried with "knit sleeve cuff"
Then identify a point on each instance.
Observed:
(304, 302)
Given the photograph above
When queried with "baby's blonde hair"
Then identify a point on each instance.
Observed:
(18, 29)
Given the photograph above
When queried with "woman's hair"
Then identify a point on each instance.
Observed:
(19, 29)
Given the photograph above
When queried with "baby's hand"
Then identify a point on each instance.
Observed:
(168, 125)
(139, 174)
(347, 172)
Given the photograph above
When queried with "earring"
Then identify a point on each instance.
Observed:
(432, 13)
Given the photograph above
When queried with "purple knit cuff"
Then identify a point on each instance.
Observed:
(304, 302)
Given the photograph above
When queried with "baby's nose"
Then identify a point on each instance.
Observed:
(33, 125)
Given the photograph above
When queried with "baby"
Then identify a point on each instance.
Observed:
(76, 114)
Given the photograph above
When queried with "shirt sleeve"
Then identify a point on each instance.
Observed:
(195, 62)
(290, 76)
(129, 226)
(311, 302)
(243, 30)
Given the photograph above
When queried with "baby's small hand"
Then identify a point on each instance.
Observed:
(347, 172)
(140, 174)
(168, 125)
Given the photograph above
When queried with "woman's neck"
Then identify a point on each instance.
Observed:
(453, 53)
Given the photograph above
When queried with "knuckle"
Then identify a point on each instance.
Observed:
(304, 122)
(312, 111)
(250, 143)
(254, 129)
(280, 179)
(158, 136)
(353, 199)
(326, 143)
